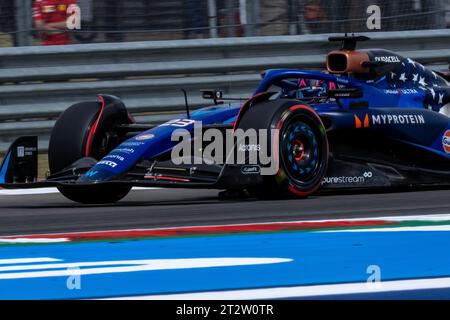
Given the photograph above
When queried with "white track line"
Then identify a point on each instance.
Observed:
(304, 291)
(27, 260)
(397, 229)
(23, 192)
(20, 192)
(121, 266)
(33, 240)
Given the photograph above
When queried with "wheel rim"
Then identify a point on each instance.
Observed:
(301, 151)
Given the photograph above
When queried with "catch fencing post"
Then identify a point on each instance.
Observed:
(24, 22)
(253, 17)
(212, 18)
(230, 18)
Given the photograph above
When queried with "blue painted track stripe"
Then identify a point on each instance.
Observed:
(318, 258)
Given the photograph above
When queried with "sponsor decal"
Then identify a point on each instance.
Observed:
(115, 156)
(21, 152)
(391, 91)
(342, 80)
(446, 141)
(348, 179)
(409, 91)
(401, 91)
(91, 173)
(250, 170)
(108, 163)
(360, 124)
(387, 59)
(179, 123)
(132, 144)
(397, 119)
(146, 136)
(25, 151)
(124, 150)
(342, 95)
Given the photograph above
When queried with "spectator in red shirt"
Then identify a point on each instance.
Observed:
(52, 15)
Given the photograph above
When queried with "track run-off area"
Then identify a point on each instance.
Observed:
(188, 244)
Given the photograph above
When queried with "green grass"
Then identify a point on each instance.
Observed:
(42, 165)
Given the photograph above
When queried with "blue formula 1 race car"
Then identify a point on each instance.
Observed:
(373, 119)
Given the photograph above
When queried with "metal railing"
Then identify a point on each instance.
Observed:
(41, 82)
(143, 20)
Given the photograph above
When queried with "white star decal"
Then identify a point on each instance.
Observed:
(441, 98)
(433, 93)
(415, 77)
(411, 62)
(403, 77)
(422, 81)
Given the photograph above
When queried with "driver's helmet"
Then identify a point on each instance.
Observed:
(313, 90)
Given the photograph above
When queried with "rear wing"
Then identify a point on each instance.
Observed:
(20, 164)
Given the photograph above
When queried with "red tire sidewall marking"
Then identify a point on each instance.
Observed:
(94, 128)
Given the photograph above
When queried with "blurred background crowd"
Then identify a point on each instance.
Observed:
(34, 22)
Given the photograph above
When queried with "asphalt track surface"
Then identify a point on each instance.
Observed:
(52, 213)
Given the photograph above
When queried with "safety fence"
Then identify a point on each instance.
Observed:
(38, 83)
(144, 20)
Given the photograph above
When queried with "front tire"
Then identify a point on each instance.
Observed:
(69, 143)
(69, 135)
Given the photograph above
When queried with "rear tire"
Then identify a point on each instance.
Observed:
(303, 147)
(68, 143)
